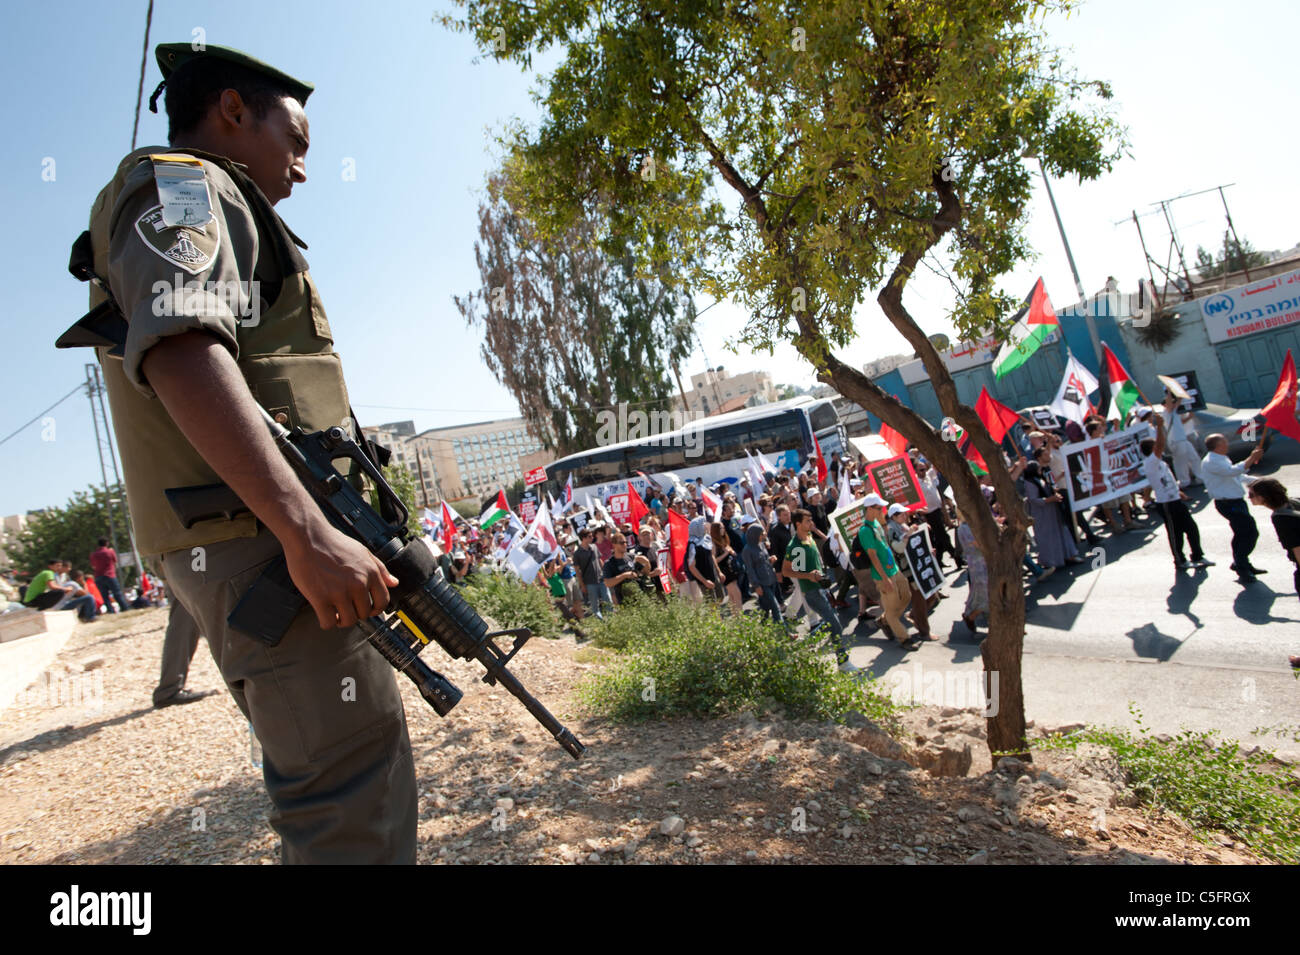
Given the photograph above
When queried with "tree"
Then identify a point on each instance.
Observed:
(1233, 257)
(857, 138)
(402, 480)
(786, 391)
(568, 329)
(70, 532)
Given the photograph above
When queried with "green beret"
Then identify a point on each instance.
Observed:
(172, 56)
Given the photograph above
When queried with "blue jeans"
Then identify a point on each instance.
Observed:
(85, 606)
(821, 605)
(111, 591)
(597, 594)
(767, 601)
(1245, 533)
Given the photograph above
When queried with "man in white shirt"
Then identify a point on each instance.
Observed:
(1169, 500)
(1223, 482)
(1187, 466)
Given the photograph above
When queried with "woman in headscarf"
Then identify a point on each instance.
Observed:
(758, 565)
(699, 560)
(1055, 542)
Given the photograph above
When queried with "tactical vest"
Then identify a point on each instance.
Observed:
(286, 358)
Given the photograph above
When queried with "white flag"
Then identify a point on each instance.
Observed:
(535, 548)
(1071, 400)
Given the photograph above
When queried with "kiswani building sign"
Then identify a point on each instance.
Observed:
(1257, 307)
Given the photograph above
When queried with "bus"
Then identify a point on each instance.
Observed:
(710, 449)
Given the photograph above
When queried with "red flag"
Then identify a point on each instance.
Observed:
(146, 585)
(997, 417)
(822, 470)
(1279, 413)
(681, 529)
(448, 529)
(636, 508)
(896, 442)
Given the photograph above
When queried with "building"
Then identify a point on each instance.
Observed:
(459, 461)
(1230, 334)
(713, 388)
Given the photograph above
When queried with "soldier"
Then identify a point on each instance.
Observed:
(222, 313)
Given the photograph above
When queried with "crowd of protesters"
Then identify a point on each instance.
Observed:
(769, 548)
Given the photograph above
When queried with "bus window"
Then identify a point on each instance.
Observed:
(728, 444)
(602, 466)
(822, 416)
(648, 458)
(673, 458)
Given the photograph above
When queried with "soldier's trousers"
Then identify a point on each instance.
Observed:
(324, 704)
(179, 644)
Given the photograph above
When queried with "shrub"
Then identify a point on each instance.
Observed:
(509, 603)
(680, 659)
(1211, 784)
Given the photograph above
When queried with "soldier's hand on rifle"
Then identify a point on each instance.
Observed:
(340, 578)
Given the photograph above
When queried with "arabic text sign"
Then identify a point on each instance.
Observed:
(925, 572)
(527, 508)
(535, 476)
(848, 521)
(895, 481)
(1256, 307)
(1105, 468)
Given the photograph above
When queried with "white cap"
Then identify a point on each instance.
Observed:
(873, 500)
(897, 509)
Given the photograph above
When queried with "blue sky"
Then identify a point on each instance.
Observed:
(1204, 88)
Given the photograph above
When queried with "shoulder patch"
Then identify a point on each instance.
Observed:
(190, 247)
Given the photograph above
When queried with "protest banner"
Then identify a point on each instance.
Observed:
(1102, 469)
(895, 480)
(620, 508)
(535, 476)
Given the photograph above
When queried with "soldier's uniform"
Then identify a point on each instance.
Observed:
(324, 704)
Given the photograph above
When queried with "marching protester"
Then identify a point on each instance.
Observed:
(977, 575)
(1169, 500)
(935, 513)
(700, 564)
(727, 562)
(1223, 482)
(895, 594)
(1055, 544)
(803, 564)
(758, 565)
(899, 531)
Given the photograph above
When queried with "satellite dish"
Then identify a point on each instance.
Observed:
(940, 342)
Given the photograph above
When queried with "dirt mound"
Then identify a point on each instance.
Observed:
(113, 780)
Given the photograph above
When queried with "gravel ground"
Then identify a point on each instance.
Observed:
(90, 772)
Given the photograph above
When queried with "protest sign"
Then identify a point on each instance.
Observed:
(1104, 468)
(925, 569)
(895, 480)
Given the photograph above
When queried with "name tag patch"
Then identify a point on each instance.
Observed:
(182, 190)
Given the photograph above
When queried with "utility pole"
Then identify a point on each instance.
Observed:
(104, 444)
(1078, 285)
(1245, 268)
(419, 468)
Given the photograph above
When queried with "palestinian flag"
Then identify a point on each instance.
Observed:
(495, 512)
(1034, 323)
(967, 447)
(1118, 392)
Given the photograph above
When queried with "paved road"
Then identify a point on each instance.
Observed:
(1191, 649)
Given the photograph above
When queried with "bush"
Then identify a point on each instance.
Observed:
(1211, 784)
(510, 603)
(680, 659)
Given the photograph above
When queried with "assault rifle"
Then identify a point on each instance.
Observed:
(424, 608)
